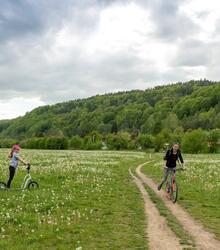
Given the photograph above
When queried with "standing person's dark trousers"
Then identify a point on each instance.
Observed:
(11, 176)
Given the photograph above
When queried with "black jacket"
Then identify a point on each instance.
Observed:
(172, 158)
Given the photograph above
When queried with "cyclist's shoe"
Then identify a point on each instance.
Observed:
(159, 187)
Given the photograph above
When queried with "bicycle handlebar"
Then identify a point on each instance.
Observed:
(28, 167)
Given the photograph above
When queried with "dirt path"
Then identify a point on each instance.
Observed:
(204, 240)
(159, 234)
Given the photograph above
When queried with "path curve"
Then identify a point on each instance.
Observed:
(204, 240)
(160, 235)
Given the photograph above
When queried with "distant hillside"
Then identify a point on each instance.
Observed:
(190, 105)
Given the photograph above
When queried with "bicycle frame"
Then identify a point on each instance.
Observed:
(26, 180)
(172, 178)
(171, 185)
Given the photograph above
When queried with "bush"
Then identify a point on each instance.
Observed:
(214, 137)
(195, 141)
(92, 145)
(145, 141)
(47, 143)
(93, 141)
(118, 141)
(75, 142)
(7, 143)
(165, 136)
(132, 144)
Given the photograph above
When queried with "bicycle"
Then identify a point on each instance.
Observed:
(171, 184)
(28, 182)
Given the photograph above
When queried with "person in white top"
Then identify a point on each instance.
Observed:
(14, 159)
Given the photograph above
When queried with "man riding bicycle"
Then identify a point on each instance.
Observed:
(172, 155)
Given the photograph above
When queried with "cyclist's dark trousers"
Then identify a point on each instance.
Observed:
(11, 176)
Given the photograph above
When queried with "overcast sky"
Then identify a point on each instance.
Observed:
(52, 51)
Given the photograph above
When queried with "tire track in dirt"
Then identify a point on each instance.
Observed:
(159, 234)
(204, 240)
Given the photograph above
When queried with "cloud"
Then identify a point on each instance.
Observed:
(17, 107)
(23, 18)
(54, 50)
(193, 53)
(170, 23)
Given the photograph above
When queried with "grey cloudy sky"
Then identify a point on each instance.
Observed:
(52, 50)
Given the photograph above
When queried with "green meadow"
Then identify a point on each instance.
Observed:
(88, 200)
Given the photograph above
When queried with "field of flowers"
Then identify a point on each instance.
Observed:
(199, 186)
(86, 200)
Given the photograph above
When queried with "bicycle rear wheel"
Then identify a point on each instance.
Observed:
(174, 191)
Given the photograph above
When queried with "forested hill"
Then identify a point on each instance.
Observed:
(190, 105)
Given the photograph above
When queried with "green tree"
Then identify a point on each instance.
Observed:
(145, 141)
(93, 141)
(214, 137)
(165, 136)
(171, 121)
(75, 142)
(118, 141)
(177, 135)
(195, 141)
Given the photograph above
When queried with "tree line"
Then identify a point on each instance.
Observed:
(122, 119)
(195, 141)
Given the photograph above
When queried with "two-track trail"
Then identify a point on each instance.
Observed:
(203, 238)
(159, 234)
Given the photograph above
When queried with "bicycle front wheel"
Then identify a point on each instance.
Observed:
(33, 185)
(168, 187)
(174, 191)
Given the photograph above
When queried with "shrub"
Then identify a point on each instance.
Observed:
(195, 141)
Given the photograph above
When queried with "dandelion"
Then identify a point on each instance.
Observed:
(79, 248)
